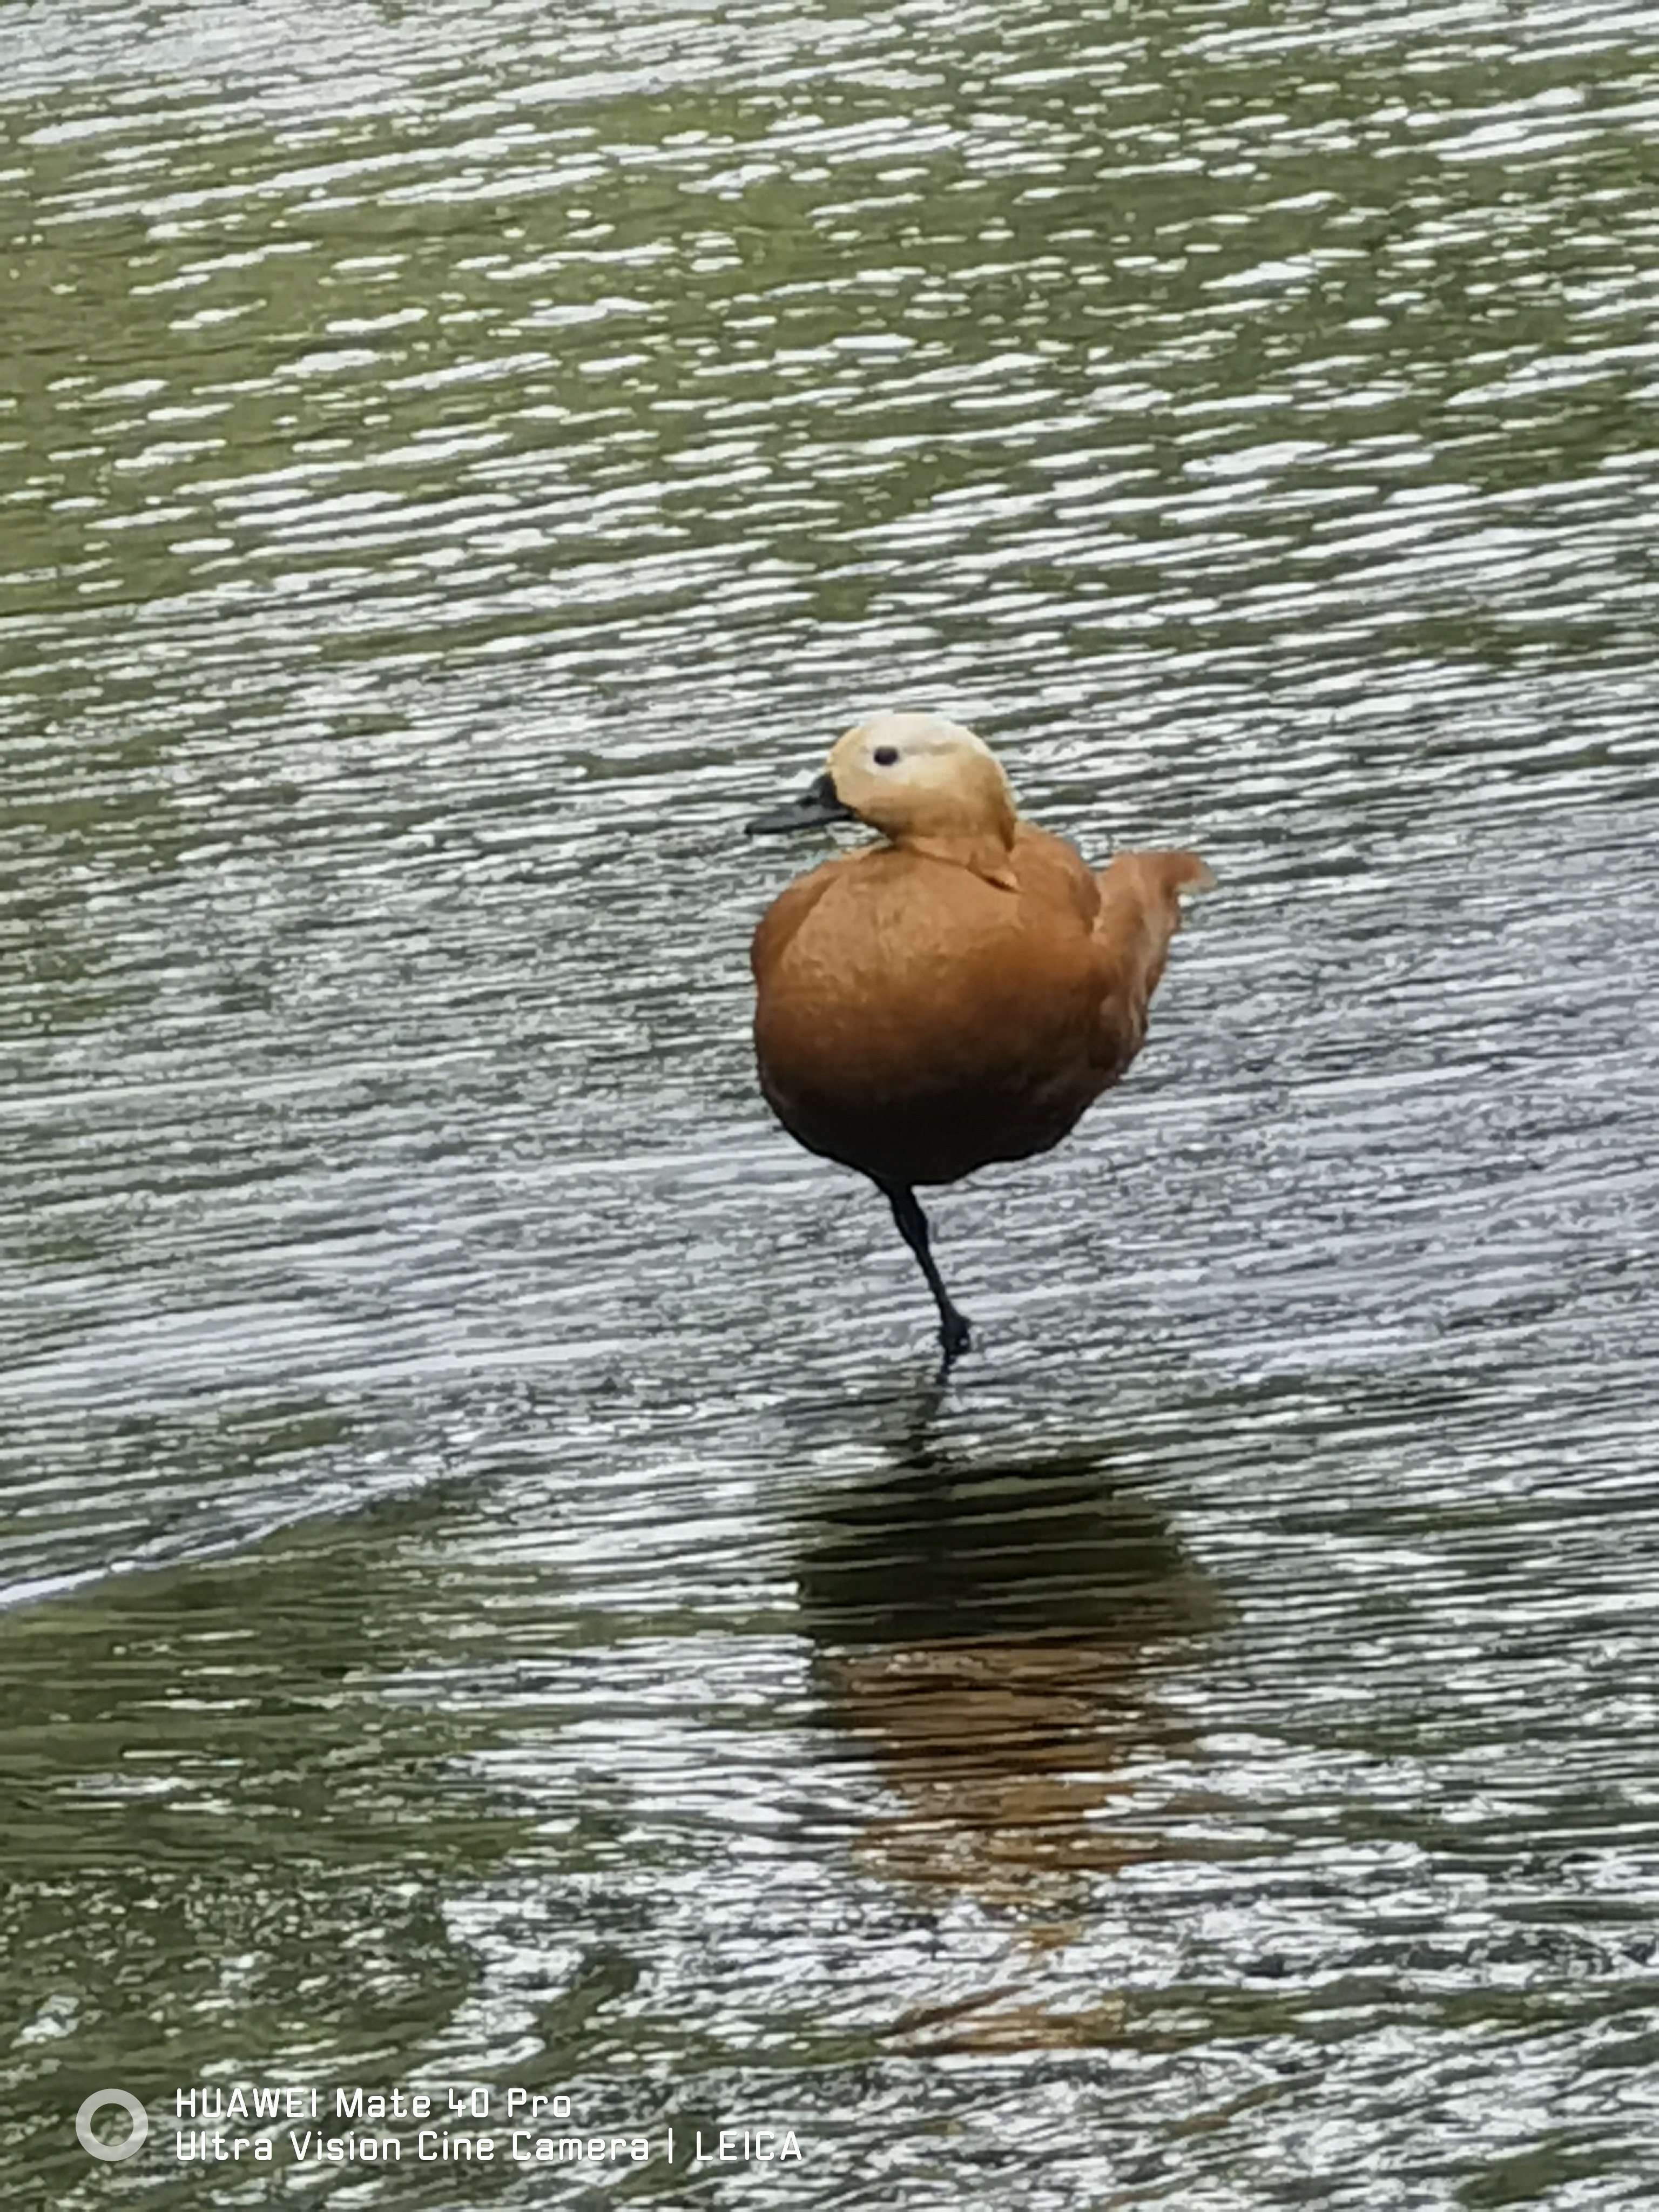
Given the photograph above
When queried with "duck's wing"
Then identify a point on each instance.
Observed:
(1053, 872)
(1140, 913)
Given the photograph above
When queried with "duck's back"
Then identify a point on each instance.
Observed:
(917, 1021)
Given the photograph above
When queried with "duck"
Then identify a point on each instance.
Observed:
(959, 993)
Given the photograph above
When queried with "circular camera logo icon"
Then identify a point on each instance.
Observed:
(91, 2144)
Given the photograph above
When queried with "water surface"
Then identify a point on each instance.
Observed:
(496, 1595)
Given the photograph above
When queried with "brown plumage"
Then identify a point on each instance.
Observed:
(960, 993)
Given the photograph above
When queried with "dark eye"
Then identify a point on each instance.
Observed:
(885, 756)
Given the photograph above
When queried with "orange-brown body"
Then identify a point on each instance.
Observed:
(915, 1021)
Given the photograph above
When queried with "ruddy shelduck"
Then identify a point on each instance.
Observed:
(960, 992)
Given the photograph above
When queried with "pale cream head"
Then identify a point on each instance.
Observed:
(931, 785)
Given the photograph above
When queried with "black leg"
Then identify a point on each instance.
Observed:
(913, 1228)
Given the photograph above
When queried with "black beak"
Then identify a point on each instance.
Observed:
(817, 804)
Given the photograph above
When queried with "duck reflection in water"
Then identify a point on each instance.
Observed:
(992, 1635)
(959, 994)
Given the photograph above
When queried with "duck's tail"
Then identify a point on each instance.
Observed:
(1139, 911)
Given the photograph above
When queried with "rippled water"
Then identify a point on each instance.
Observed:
(497, 1597)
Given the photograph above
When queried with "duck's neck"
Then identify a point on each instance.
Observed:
(985, 852)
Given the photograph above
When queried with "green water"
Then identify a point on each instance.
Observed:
(497, 1602)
